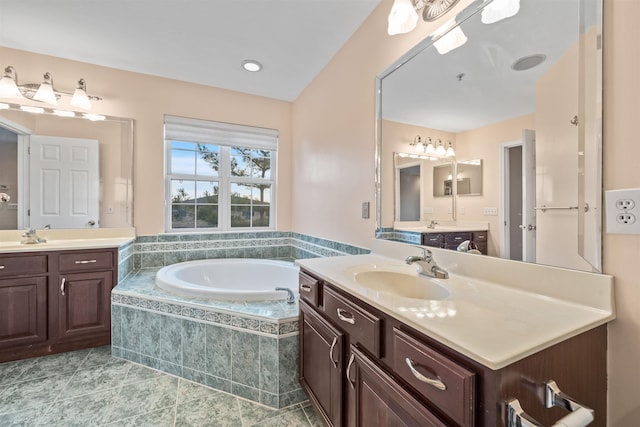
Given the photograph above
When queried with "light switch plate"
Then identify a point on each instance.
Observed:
(490, 211)
(365, 210)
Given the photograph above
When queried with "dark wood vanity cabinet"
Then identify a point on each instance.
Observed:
(451, 239)
(362, 367)
(52, 302)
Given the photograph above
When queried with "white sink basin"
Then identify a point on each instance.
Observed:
(401, 282)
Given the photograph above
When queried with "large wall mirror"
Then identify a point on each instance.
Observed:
(65, 172)
(521, 103)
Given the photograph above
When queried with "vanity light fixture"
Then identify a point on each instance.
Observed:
(498, 10)
(418, 146)
(252, 65)
(403, 17)
(440, 150)
(80, 98)
(452, 38)
(44, 92)
(450, 152)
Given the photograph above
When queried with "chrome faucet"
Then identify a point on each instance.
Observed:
(427, 265)
(291, 298)
(432, 224)
(30, 237)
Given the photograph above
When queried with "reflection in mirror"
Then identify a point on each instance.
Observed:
(532, 80)
(44, 155)
(469, 177)
(442, 180)
(415, 176)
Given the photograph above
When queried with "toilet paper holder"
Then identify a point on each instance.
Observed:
(579, 416)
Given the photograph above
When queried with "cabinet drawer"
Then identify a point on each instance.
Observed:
(19, 265)
(479, 236)
(363, 326)
(435, 377)
(433, 239)
(85, 261)
(310, 289)
(456, 238)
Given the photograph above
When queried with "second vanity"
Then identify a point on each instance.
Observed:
(381, 345)
(55, 296)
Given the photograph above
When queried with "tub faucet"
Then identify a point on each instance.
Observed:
(427, 265)
(432, 224)
(30, 237)
(291, 298)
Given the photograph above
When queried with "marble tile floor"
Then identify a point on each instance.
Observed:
(92, 388)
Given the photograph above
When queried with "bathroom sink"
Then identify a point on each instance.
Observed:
(400, 283)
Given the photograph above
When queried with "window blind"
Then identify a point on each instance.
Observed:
(227, 134)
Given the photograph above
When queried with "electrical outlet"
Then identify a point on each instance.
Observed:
(490, 211)
(462, 210)
(622, 211)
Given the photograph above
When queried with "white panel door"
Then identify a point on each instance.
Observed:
(65, 182)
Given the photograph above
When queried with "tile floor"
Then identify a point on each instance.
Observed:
(92, 388)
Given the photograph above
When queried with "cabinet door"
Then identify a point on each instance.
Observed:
(85, 304)
(321, 364)
(23, 311)
(382, 402)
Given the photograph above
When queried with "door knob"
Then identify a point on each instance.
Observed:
(91, 222)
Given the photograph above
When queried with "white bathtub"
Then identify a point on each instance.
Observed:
(230, 279)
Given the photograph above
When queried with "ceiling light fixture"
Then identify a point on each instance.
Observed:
(44, 92)
(252, 65)
(448, 37)
(498, 10)
(404, 13)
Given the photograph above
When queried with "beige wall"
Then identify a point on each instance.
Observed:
(146, 99)
(621, 154)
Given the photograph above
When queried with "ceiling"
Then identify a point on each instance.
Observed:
(199, 41)
(474, 85)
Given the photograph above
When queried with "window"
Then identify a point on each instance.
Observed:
(219, 176)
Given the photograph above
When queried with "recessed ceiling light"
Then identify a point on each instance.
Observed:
(528, 62)
(251, 65)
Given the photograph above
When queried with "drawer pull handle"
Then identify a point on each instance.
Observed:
(333, 345)
(434, 383)
(64, 280)
(88, 261)
(305, 288)
(352, 383)
(1, 267)
(345, 316)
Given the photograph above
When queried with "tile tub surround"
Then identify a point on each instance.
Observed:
(247, 349)
(166, 249)
(92, 388)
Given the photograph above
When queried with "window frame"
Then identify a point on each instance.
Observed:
(225, 179)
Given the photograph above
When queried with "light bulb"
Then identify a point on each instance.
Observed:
(402, 18)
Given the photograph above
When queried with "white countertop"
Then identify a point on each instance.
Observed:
(495, 322)
(441, 227)
(67, 239)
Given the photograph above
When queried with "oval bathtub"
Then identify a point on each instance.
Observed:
(230, 279)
